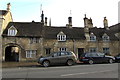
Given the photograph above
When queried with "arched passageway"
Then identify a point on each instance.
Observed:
(12, 53)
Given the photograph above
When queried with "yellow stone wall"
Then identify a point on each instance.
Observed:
(6, 20)
(3, 24)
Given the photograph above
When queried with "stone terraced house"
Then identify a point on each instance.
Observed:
(27, 41)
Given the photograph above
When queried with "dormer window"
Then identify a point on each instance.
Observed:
(92, 37)
(105, 37)
(61, 36)
(12, 31)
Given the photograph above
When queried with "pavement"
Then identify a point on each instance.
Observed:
(21, 64)
(18, 64)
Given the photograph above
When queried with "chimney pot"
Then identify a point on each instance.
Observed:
(8, 7)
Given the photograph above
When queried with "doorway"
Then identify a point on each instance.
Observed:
(48, 51)
(80, 52)
(12, 54)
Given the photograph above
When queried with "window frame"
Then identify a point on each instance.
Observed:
(63, 49)
(61, 36)
(92, 50)
(105, 37)
(92, 37)
(12, 31)
(106, 50)
(31, 53)
(47, 51)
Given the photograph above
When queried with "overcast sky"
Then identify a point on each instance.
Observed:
(59, 11)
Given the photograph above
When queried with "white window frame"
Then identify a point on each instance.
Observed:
(92, 37)
(61, 37)
(63, 49)
(12, 31)
(31, 53)
(106, 38)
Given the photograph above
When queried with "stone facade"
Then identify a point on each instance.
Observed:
(27, 41)
(45, 46)
(5, 18)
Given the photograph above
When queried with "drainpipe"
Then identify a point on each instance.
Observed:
(74, 48)
(73, 45)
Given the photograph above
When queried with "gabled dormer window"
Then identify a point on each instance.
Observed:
(61, 36)
(12, 31)
(92, 37)
(105, 37)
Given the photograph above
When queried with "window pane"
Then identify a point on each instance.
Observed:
(105, 50)
(12, 32)
(61, 37)
(62, 49)
(30, 53)
(105, 38)
(93, 38)
(92, 49)
(48, 50)
(27, 54)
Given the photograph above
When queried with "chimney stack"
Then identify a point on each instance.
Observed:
(70, 22)
(88, 22)
(8, 7)
(42, 17)
(45, 21)
(85, 21)
(105, 22)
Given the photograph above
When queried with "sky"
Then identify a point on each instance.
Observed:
(60, 10)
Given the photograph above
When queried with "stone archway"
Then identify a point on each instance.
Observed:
(12, 53)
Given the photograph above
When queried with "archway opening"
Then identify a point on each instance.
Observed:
(12, 54)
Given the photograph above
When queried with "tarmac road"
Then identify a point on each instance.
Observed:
(76, 71)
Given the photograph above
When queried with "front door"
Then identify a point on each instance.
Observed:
(80, 52)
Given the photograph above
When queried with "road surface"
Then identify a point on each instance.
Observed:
(76, 71)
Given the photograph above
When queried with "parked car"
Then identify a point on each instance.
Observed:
(96, 57)
(117, 58)
(61, 57)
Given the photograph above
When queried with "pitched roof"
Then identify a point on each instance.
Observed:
(72, 33)
(3, 12)
(36, 29)
(99, 32)
(26, 29)
(115, 28)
